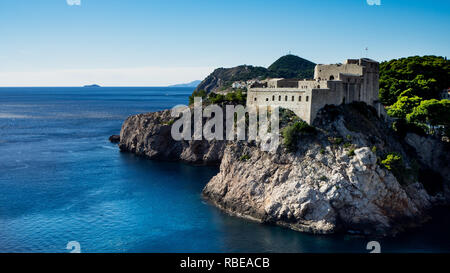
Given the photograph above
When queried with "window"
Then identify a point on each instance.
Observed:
(279, 98)
(299, 98)
(273, 98)
(293, 98)
(285, 98)
(255, 98)
(267, 99)
(331, 77)
(307, 98)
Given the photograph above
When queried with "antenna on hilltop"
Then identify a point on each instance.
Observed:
(367, 51)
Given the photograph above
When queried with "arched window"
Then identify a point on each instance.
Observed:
(307, 98)
(293, 98)
(299, 98)
(267, 99)
(273, 97)
(255, 98)
(279, 98)
(331, 77)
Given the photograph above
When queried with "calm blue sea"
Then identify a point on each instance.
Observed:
(61, 180)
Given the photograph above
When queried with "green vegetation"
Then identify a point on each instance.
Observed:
(336, 140)
(433, 112)
(347, 145)
(291, 66)
(199, 93)
(170, 122)
(403, 106)
(351, 152)
(287, 117)
(394, 163)
(323, 178)
(235, 97)
(374, 149)
(244, 157)
(291, 134)
(411, 87)
(288, 66)
(425, 76)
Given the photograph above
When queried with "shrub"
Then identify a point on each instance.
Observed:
(374, 149)
(216, 98)
(244, 157)
(351, 152)
(292, 132)
(170, 122)
(323, 178)
(199, 93)
(394, 163)
(237, 97)
(335, 140)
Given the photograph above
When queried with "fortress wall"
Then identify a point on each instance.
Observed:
(325, 71)
(352, 88)
(356, 80)
(310, 85)
(322, 97)
(289, 100)
(371, 81)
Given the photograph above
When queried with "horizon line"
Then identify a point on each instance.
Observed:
(101, 86)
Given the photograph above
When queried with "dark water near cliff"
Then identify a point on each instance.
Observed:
(61, 180)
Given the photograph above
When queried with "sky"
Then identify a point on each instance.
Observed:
(162, 42)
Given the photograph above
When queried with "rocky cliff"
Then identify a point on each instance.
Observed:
(332, 182)
(149, 135)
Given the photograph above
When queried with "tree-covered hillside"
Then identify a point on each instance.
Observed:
(411, 88)
(291, 66)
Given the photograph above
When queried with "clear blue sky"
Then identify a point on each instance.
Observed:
(158, 42)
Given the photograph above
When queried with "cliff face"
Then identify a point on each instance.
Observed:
(316, 193)
(324, 187)
(149, 135)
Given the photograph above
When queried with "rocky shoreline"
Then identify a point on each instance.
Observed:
(325, 186)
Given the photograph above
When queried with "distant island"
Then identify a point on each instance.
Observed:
(191, 84)
(92, 86)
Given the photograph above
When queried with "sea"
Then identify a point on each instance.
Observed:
(62, 183)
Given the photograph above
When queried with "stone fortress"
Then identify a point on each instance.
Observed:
(334, 84)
